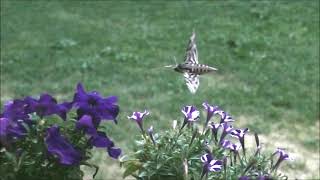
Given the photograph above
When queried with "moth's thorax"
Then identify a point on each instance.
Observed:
(181, 68)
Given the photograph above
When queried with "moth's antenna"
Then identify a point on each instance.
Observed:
(173, 66)
(175, 60)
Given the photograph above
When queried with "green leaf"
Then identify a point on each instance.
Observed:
(131, 167)
(142, 174)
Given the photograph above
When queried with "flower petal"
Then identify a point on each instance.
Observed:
(58, 145)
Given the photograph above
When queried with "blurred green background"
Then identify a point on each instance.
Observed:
(267, 54)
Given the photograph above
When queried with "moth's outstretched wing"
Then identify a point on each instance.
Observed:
(192, 52)
(192, 81)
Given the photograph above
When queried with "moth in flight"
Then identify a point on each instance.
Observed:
(191, 68)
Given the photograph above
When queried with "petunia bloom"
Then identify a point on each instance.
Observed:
(59, 146)
(211, 110)
(210, 164)
(234, 147)
(150, 133)
(191, 113)
(239, 133)
(11, 129)
(226, 129)
(85, 123)
(282, 156)
(214, 129)
(93, 104)
(4, 124)
(244, 178)
(101, 140)
(225, 144)
(138, 117)
(16, 110)
(225, 117)
(46, 105)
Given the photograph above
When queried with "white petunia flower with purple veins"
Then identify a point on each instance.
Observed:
(210, 164)
(225, 144)
(211, 111)
(234, 147)
(214, 129)
(225, 117)
(239, 133)
(191, 114)
(150, 133)
(282, 156)
(138, 117)
(226, 129)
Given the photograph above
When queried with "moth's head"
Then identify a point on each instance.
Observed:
(178, 68)
(175, 66)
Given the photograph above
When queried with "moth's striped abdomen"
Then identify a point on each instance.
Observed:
(200, 69)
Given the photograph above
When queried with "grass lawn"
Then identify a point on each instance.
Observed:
(267, 54)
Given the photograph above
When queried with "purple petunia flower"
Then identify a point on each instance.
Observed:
(191, 114)
(85, 123)
(225, 144)
(226, 130)
(101, 140)
(211, 110)
(234, 147)
(46, 105)
(225, 117)
(239, 133)
(4, 124)
(11, 129)
(244, 178)
(138, 117)
(209, 164)
(282, 156)
(150, 133)
(214, 129)
(59, 146)
(16, 110)
(93, 104)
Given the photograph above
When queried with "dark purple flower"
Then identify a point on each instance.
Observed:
(12, 129)
(138, 117)
(239, 133)
(85, 123)
(114, 152)
(101, 140)
(190, 113)
(16, 129)
(46, 106)
(15, 110)
(226, 129)
(4, 124)
(214, 129)
(93, 104)
(211, 110)
(209, 164)
(224, 117)
(282, 156)
(59, 146)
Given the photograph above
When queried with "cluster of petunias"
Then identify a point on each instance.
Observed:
(91, 108)
(224, 136)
